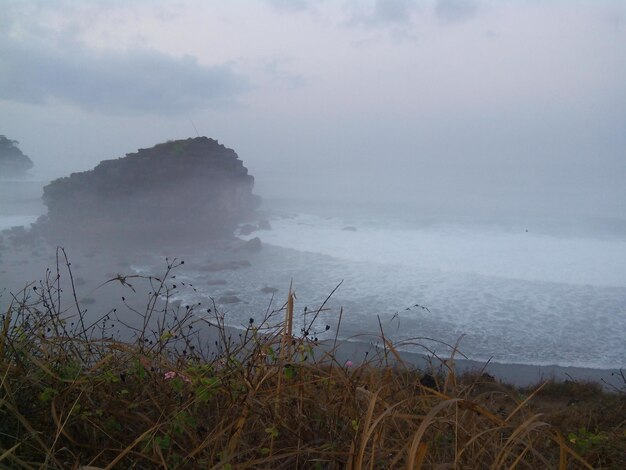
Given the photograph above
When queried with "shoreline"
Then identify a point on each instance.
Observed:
(519, 375)
(94, 267)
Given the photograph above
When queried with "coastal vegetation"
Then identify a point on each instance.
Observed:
(173, 386)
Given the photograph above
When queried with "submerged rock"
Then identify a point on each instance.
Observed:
(184, 189)
(229, 299)
(269, 290)
(12, 161)
(254, 244)
(247, 229)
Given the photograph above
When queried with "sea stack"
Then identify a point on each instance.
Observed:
(193, 189)
(12, 161)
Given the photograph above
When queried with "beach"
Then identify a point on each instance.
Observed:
(94, 274)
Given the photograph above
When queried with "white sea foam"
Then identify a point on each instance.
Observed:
(518, 296)
(455, 249)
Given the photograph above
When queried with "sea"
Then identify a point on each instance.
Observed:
(506, 288)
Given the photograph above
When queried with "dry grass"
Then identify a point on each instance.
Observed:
(74, 396)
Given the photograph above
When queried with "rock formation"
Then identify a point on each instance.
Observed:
(12, 161)
(190, 189)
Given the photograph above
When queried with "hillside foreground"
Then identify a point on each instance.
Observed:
(172, 386)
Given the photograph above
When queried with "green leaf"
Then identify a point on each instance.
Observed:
(271, 353)
(207, 388)
(110, 377)
(290, 372)
(48, 394)
(176, 384)
(163, 442)
(165, 336)
(140, 371)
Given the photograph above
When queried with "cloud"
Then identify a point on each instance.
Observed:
(290, 5)
(384, 12)
(393, 11)
(127, 83)
(450, 11)
(279, 72)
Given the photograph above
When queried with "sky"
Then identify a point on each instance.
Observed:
(519, 105)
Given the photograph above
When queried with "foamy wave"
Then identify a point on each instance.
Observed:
(504, 254)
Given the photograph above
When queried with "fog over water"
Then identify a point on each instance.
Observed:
(464, 156)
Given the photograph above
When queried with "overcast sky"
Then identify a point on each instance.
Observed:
(478, 100)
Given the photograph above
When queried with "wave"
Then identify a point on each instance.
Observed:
(486, 251)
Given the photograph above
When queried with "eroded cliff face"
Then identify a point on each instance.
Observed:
(190, 189)
(12, 161)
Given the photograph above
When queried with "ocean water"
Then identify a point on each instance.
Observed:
(20, 202)
(513, 289)
(520, 292)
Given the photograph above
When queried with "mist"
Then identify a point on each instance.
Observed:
(517, 102)
(464, 155)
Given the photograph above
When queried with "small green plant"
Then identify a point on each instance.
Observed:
(583, 440)
(206, 388)
(163, 442)
(48, 394)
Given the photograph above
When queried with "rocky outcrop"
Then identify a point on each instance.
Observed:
(247, 229)
(178, 190)
(12, 161)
